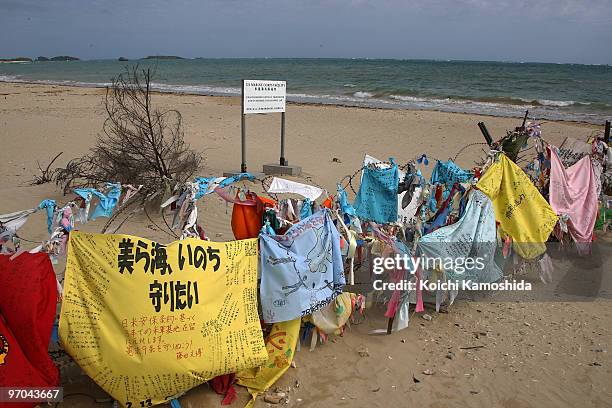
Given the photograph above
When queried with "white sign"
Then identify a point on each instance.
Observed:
(264, 96)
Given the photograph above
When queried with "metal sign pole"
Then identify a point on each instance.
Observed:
(243, 167)
(283, 161)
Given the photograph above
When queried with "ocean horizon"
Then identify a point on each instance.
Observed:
(550, 91)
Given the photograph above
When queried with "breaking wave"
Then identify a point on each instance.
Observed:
(495, 106)
(9, 78)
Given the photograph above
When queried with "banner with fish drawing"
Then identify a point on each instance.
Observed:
(301, 271)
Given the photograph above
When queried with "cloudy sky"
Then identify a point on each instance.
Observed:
(507, 30)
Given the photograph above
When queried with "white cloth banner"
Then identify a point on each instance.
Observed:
(12, 222)
(280, 185)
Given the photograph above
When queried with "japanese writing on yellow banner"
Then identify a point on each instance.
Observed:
(148, 321)
(519, 207)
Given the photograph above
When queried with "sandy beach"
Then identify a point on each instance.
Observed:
(544, 354)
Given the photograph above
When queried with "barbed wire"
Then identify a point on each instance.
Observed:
(347, 181)
(466, 146)
(402, 167)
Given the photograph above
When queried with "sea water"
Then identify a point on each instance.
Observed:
(549, 91)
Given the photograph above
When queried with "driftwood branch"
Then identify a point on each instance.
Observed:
(46, 175)
(140, 144)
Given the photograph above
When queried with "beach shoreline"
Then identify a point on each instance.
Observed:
(364, 105)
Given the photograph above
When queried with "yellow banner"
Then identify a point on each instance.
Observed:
(148, 321)
(519, 207)
(281, 345)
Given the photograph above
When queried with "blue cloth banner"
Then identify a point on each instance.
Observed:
(107, 202)
(472, 236)
(449, 173)
(206, 187)
(85, 193)
(345, 206)
(300, 271)
(306, 210)
(377, 197)
(48, 205)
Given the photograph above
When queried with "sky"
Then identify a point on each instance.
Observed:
(565, 31)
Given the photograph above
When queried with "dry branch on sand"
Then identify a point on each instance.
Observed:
(47, 174)
(139, 144)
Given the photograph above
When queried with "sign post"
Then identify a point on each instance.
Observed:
(243, 167)
(283, 161)
(262, 96)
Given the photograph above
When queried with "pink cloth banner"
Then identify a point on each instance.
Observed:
(573, 192)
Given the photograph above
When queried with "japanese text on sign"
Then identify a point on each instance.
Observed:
(264, 96)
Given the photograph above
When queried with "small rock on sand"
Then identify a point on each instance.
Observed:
(275, 397)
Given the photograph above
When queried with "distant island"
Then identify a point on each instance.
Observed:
(13, 60)
(122, 59)
(64, 58)
(58, 58)
(164, 57)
